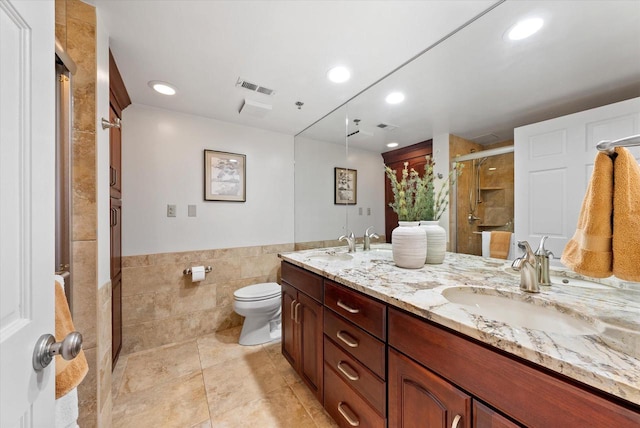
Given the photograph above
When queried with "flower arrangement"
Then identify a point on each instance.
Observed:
(415, 197)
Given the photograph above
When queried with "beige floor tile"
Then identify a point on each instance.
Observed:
(179, 403)
(223, 346)
(233, 383)
(153, 367)
(280, 409)
(312, 405)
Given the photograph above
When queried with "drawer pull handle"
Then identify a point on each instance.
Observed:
(456, 421)
(293, 302)
(296, 313)
(347, 308)
(347, 338)
(348, 415)
(348, 371)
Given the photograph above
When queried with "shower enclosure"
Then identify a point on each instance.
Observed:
(482, 198)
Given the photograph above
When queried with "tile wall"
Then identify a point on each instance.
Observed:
(160, 305)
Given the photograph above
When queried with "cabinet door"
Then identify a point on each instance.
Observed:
(310, 315)
(419, 398)
(485, 417)
(289, 347)
(115, 156)
(116, 237)
(116, 322)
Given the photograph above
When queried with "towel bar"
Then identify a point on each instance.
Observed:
(607, 146)
(187, 271)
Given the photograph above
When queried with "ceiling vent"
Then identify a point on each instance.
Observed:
(253, 87)
(486, 139)
(386, 126)
(254, 108)
(361, 133)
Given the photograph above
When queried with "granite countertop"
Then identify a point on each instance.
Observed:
(606, 357)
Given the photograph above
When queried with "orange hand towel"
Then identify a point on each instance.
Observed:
(626, 216)
(499, 244)
(589, 251)
(69, 374)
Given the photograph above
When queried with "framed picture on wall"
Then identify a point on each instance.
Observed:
(345, 186)
(224, 176)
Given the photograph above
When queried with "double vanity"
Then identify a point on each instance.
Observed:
(459, 344)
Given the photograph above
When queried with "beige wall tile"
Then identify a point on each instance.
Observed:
(85, 290)
(83, 185)
(136, 261)
(104, 419)
(87, 393)
(76, 9)
(104, 380)
(117, 375)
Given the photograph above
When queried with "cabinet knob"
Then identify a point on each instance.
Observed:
(456, 421)
(347, 339)
(347, 308)
(348, 415)
(348, 371)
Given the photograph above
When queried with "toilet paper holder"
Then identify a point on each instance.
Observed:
(187, 271)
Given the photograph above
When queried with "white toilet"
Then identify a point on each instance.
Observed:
(260, 305)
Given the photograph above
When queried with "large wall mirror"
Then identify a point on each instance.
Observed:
(468, 94)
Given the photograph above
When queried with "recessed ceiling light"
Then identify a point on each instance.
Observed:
(338, 74)
(162, 87)
(391, 145)
(493, 169)
(395, 98)
(525, 28)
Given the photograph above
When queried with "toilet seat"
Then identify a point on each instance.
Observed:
(257, 292)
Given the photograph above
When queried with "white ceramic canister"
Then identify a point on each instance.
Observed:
(409, 245)
(436, 241)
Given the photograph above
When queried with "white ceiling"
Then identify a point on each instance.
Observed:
(474, 83)
(203, 47)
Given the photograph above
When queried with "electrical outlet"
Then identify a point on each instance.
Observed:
(171, 210)
(368, 211)
(360, 211)
(192, 210)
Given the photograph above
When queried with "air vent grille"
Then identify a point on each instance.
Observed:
(486, 138)
(254, 87)
(386, 126)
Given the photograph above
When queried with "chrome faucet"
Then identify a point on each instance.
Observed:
(527, 265)
(542, 257)
(351, 241)
(367, 237)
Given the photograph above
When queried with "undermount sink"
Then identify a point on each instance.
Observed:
(517, 313)
(330, 256)
(562, 281)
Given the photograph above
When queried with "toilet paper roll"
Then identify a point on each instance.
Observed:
(197, 273)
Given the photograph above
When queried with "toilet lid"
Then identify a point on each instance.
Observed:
(262, 291)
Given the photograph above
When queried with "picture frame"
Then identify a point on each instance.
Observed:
(225, 176)
(345, 191)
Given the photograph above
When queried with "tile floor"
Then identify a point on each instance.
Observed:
(212, 382)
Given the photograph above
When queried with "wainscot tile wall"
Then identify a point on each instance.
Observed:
(160, 305)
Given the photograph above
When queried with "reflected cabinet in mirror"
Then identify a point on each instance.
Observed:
(468, 94)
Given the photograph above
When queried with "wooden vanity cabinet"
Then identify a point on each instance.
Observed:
(522, 392)
(420, 398)
(302, 321)
(354, 357)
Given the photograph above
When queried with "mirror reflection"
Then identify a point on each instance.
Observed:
(467, 95)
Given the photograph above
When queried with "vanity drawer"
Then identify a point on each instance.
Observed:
(367, 384)
(346, 407)
(357, 308)
(356, 342)
(307, 282)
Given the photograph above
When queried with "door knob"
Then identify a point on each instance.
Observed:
(47, 348)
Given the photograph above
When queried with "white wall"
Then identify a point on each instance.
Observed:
(102, 153)
(162, 163)
(317, 218)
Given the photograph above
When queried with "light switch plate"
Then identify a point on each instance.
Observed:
(192, 210)
(171, 210)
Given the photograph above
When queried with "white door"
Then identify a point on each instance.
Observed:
(553, 166)
(27, 142)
